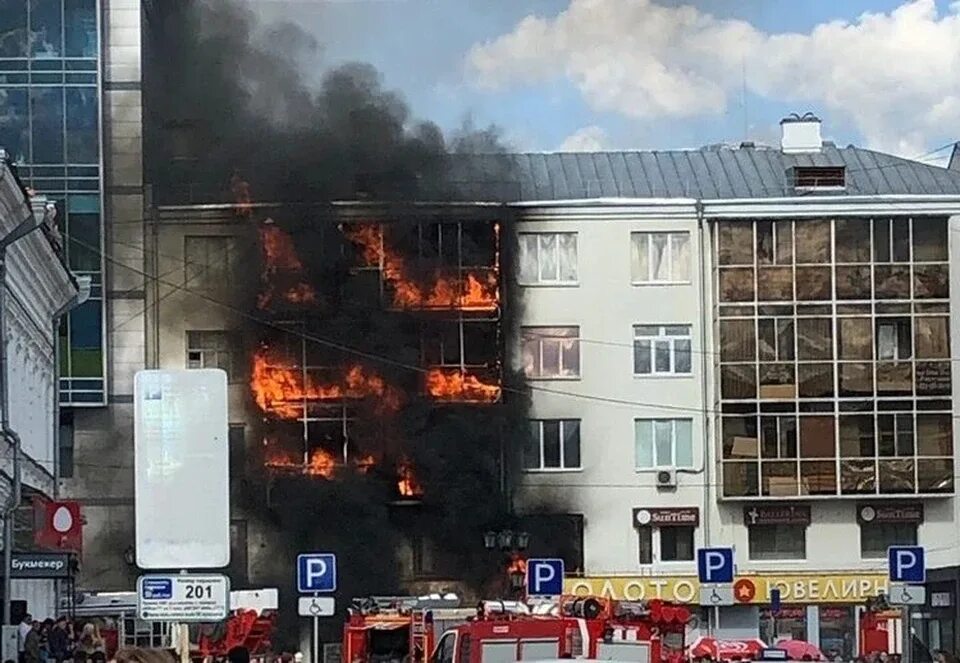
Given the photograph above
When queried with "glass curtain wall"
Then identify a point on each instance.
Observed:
(50, 125)
(835, 367)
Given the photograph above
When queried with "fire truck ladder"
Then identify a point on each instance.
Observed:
(418, 636)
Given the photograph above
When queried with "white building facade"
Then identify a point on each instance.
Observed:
(761, 359)
(38, 289)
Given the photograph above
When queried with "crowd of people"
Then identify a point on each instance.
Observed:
(56, 641)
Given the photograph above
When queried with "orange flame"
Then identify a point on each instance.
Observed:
(320, 463)
(473, 291)
(279, 388)
(517, 565)
(452, 384)
(281, 260)
(407, 484)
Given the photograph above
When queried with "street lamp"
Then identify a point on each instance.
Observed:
(512, 545)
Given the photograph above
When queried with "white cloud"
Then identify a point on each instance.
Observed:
(587, 139)
(895, 76)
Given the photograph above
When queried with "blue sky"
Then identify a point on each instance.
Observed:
(542, 95)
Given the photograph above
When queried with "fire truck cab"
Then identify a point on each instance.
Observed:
(578, 628)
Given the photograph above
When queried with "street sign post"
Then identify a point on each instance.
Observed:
(715, 567)
(908, 571)
(317, 573)
(183, 598)
(544, 577)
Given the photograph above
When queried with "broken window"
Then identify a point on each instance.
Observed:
(660, 257)
(775, 242)
(740, 437)
(735, 243)
(661, 350)
(817, 437)
(778, 437)
(856, 435)
(931, 281)
(852, 238)
(551, 352)
(736, 284)
(855, 338)
(930, 240)
(932, 337)
(814, 338)
(214, 349)
(853, 283)
(813, 241)
(737, 340)
(894, 340)
(548, 258)
(895, 434)
(891, 240)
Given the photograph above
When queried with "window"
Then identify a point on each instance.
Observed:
(663, 443)
(660, 257)
(554, 444)
(645, 540)
(894, 341)
(676, 544)
(207, 262)
(813, 177)
(778, 542)
(551, 352)
(548, 258)
(875, 538)
(65, 464)
(661, 350)
(212, 349)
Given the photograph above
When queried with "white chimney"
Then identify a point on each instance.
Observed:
(800, 133)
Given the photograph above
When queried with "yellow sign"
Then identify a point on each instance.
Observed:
(755, 589)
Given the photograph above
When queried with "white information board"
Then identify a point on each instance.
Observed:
(183, 598)
(182, 481)
(316, 606)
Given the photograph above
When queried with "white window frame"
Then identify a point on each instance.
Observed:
(541, 340)
(563, 461)
(658, 548)
(650, 280)
(662, 337)
(558, 281)
(229, 352)
(673, 444)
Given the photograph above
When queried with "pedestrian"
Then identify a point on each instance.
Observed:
(58, 641)
(88, 643)
(32, 645)
(22, 630)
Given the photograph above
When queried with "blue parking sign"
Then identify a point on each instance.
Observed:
(545, 577)
(907, 564)
(316, 572)
(715, 565)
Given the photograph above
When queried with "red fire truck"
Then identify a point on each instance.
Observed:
(504, 632)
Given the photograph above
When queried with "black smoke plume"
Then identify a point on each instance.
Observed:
(228, 101)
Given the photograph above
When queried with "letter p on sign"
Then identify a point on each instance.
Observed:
(715, 565)
(316, 572)
(545, 577)
(907, 564)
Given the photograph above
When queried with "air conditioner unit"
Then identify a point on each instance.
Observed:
(667, 478)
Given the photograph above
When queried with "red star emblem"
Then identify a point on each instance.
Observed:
(744, 590)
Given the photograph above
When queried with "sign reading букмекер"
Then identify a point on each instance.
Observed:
(182, 481)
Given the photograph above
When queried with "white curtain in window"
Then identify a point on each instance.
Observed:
(643, 441)
(640, 257)
(887, 341)
(528, 258)
(660, 258)
(681, 256)
(663, 438)
(568, 257)
(548, 257)
(684, 443)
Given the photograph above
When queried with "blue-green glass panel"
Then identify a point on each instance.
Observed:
(46, 28)
(84, 241)
(46, 110)
(46, 79)
(14, 123)
(13, 28)
(81, 79)
(83, 144)
(83, 204)
(53, 64)
(85, 326)
(81, 65)
(80, 30)
(14, 79)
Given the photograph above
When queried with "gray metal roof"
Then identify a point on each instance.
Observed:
(709, 173)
